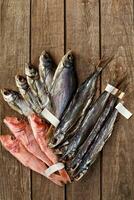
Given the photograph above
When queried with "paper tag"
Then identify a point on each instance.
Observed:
(122, 110)
(53, 168)
(121, 95)
(50, 117)
(111, 89)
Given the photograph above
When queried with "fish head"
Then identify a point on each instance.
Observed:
(15, 124)
(10, 143)
(9, 95)
(21, 82)
(46, 60)
(56, 140)
(31, 71)
(68, 59)
(38, 124)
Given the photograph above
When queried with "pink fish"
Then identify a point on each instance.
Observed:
(15, 147)
(40, 133)
(23, 132)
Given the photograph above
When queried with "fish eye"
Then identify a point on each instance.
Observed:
(46, 55)
(12, 137)
(22, 79)
(69, 57)
(6, 92)
(30, 67)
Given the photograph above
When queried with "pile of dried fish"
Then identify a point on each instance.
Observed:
(64, 124)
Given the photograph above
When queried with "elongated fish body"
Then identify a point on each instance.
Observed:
(64, 84)
(16, 102)
(86, 145)
(86, 125)
(15, 147)
(27, 94)
(46, 69)
(96, 147)
(37, 87)
(33, 79)
(40, 130)
(23, 132)
(80, 102)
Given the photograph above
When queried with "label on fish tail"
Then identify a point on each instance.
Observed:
(111, 89)
(53, 168)
(121, 95)
(123, 111)
(50, 117)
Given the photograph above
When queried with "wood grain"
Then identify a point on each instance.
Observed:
(118, 160)
(82, 36)
(29, 27)
(14, 52)
(47, 33)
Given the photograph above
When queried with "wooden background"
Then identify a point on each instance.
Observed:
(90, 28)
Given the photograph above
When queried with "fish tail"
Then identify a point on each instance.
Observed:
(65, 176)
(103, 63)
(56, 181)
(122, 83)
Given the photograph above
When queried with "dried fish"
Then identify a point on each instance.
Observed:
(64, 84)
(37, 87)
(15, 147)
(27, 94)
(23, 132)
(96, 147)
(86, 125)
(79, 104)
(16, 102)
(46, 70)
(100, 122)
(40, 129)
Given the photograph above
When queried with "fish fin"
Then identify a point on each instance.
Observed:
(103, 63)
(65, 175)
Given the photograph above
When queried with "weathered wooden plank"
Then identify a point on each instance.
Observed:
(14, 52)
(118, 160)
(47, 33)
(82, 36)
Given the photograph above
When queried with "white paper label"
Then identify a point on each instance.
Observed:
(53, 168)
(111, 89)
(121, 95)
(50, 117)
(123, 111)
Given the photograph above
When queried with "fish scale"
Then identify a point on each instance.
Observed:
(86, 125)
(96, 147)
(16, 102)
(27, 94)
(80, 102)
(84, 147)
(37, 87)
(64, 84)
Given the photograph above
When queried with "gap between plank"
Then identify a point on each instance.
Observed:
(65, 30)
(100, 55)
(30, 19)
(65, 38)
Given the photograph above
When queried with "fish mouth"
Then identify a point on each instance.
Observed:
(7, 139)
(13, 120)
(68, 59)
(69, 55)
(45, 54)
(55, 141)
(5, 92)
(30, 70)
(8, 95)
